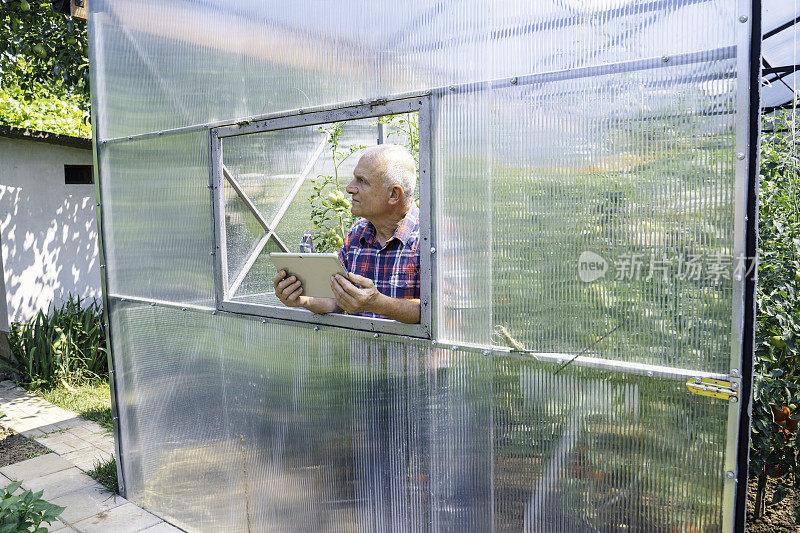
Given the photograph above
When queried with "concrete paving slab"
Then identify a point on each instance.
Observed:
(89, 507)
(33, 433)
(63, 442)
(36, 467)
(59, 527)
(163, 527)
(62, 424)
(86, 502)
(87, 459)
(85, 430)
(56, 443)
(59, 483)
(126, 518)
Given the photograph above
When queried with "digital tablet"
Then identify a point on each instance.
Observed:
(313, 270)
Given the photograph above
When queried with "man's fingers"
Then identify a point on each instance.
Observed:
(344, 300)
(286, 282)
(291, 288)
(345, 284)
(296, 294)
(361, 280)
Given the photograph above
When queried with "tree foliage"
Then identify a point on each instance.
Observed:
(44, 69)
(42, 49)
(43, 111)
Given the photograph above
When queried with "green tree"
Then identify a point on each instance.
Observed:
(44, 68)
(40, 48)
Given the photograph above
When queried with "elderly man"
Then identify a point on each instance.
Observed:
(381, 250)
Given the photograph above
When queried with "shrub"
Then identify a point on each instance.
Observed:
(25, 511)
(67, 345)
(43, 111)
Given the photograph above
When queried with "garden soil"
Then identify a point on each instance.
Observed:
(15, 448)
(777, 518)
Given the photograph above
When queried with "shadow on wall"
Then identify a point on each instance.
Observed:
(49, 248)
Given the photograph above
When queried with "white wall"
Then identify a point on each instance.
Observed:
(48, 231)
(3, 308)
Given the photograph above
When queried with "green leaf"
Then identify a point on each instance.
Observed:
(13, 486)
(781, 491)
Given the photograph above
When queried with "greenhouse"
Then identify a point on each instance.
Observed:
(587, 189)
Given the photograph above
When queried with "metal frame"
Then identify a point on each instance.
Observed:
(748, 124)
(745, 234)
(114, 381)
(220, 174)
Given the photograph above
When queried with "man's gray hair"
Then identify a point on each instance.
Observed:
(397, 165)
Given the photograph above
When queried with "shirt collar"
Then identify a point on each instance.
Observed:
(404, 232)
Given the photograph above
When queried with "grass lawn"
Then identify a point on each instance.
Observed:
(91, 401)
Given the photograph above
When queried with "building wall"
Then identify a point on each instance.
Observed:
(48, 229)
(3, 308)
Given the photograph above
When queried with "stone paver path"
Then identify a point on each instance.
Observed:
(79, 445)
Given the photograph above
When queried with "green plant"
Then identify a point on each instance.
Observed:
(774, 441)
(330, 205)
(106, 474)
(41, 110)
(25, 511)
(40, 48)
(68, 345)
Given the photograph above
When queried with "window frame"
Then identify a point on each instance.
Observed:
(420, 104)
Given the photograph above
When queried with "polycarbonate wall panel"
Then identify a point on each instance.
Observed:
(167, 64)
(639, 171)
(157, 218)
(230, 424)
(636, 168)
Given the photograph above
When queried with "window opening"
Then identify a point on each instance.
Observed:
(78, 175)
(280, 187)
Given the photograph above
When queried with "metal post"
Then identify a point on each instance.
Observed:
(96, 51)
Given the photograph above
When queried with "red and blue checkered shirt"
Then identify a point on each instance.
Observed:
(393, 267)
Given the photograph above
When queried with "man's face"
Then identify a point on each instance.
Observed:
(369, 193)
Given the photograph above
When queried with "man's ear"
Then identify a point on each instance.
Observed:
(396, 195)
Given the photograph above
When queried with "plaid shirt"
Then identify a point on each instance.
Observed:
(393, 267)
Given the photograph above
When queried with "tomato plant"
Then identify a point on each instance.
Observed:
(330, 204)
(774, 441)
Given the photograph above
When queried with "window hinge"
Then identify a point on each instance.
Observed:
(715, 388)
(377, 102)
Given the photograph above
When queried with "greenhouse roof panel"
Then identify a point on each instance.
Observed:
(780, 51)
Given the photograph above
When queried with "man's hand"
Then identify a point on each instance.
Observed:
(354, 299)
(289, 290)
(367, 298)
